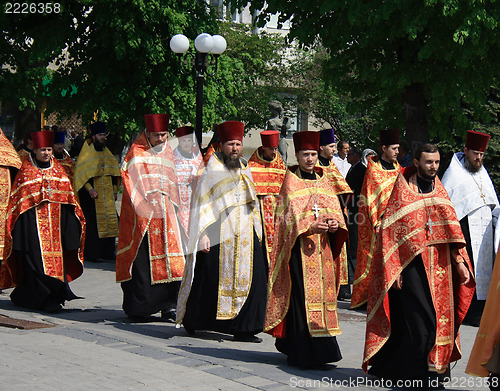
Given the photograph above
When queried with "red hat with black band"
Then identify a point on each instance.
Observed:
(231, 130)
(389, 136)
(476, 141)
(184, 131)
(42, 139)
(157, 122)
(306, 141)
(270, 138)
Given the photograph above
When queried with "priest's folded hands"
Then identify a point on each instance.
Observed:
(333, 225)
(322, 227)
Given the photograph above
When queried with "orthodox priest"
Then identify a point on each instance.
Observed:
(45, 231)
(187, 160)
(62, 155)
(380, 175)
(97, 179)
(150, 260)
(224, 284)
(476, 203)
(421, 283)
(10, 163)
(344, 193)
(304, 274)
(268, 171)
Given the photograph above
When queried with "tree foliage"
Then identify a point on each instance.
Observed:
(348, 116)
(422, 58)
(114, 53)
(113, 58)
(261, 62)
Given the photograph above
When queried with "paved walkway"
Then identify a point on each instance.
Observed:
(91, 346)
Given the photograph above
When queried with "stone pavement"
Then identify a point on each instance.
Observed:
(91, 346)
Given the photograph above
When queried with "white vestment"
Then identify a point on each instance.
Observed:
(228, 196)
(473, 195)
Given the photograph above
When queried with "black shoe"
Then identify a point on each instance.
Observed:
(324, 367)
(191, 332)
(52, 307)
(344, 296)
(168, 315)
(243, 337)
(141, 319)
(344, 293)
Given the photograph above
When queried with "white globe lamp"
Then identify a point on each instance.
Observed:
(219, 44)
(179, 44)
(204, 43)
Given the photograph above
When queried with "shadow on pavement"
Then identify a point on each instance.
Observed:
(274, 359)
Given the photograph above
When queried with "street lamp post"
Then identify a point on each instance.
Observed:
(208, 50)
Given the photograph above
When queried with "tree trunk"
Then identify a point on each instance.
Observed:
(416, 111)
(27, 120)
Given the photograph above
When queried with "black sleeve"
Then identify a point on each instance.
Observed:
(70, 228)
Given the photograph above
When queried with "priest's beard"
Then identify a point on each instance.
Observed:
(99, 146)
(232, 161)
(472, 166)
(424, 175)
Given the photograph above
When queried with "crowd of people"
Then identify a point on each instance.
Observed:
(212, 241)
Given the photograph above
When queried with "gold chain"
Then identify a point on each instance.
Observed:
(315, 206)
(429, 222)
(483, 196)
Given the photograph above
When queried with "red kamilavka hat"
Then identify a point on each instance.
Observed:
(231, 130)
(42, 139)
(184, 131)
(306, 141)
(157, 122)
(270, 138)
(476, 141)
(389, 136)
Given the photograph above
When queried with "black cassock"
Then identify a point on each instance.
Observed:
(413, 329)
(302, 349)
(413, 325)
(201, 307)
(140, 297)
(95, 248)
(37, 290)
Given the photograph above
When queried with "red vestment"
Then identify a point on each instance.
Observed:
(69, 165)
(8, 158)
(375, 193)
(404, 234)
(267, 177)
(320, 262)
(149, 204)
(23, 154)
(45, 190)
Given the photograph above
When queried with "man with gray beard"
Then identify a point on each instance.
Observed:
(474, 198)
